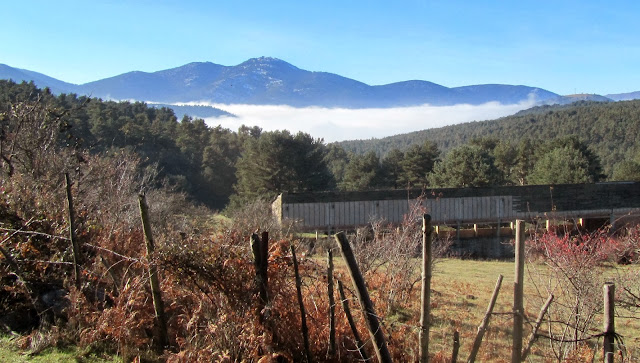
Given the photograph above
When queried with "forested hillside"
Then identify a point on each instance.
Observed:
(206, 163)
(611, 130)
(180, 154)
(220, 168)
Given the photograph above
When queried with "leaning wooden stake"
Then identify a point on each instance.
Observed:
(303, 317)
(72, 232)
(156, 292)
(518, 294)
(609, 324)
(373, 325)
(332, 307)
(425, 320)
(485, 322)
(352, 323)
(534, 332)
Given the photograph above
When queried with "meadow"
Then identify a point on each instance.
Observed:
(461, 290)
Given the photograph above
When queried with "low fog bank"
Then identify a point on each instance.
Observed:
(338, 124)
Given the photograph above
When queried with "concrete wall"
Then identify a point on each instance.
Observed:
(333, 210)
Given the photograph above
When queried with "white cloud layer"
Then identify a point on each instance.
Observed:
(337, 124)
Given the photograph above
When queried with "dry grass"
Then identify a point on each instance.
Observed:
(461, 290)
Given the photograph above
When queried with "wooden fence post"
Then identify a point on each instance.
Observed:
(375, 330)
(425, 320)
(332, 306)
(485, 322)
(156, 292)
(264, 250)
(518, 294)
(260, 251)
(72, 232)
(260, 259)
(303, 317)
(456, 347)
(352, 324)
(609, 324)
(534, 332)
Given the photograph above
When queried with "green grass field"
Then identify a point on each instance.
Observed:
(11, 353)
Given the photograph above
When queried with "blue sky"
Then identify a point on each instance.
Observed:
(563, 46)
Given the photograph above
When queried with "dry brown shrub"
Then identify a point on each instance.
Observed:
(206, 269)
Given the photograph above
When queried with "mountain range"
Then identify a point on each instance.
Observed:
(271, 81)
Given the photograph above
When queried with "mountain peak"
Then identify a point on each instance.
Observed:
(268, 80)
(193, 66)
(267, 61)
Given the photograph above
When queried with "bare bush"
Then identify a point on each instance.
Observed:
(257, 216)
(28, 136)
(393, 252)
(573, 274)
